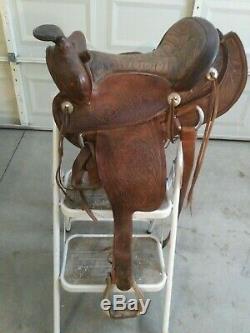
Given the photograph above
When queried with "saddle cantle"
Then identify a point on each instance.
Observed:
(120, 110)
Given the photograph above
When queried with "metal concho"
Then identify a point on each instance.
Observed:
(212, 74)
(67, 107)
(174, 98)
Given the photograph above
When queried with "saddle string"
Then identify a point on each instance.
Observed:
(205, 140)
(63, 188)
(188, 138)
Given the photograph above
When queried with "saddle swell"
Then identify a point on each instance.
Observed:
(117, 109)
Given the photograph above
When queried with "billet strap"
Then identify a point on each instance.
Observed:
(122, 314)
(188, 138)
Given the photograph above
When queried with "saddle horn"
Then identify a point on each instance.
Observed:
(66, 62)
(48, 33)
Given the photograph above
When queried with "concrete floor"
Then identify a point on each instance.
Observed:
(212, 272)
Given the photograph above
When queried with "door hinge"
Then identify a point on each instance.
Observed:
(12, 57)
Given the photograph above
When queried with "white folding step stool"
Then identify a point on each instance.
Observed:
(75, 272)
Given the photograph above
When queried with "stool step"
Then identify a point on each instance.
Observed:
(88, 258)
(98, 202)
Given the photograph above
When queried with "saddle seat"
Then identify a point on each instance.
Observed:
(183, 56)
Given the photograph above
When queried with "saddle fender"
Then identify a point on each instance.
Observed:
(132, 168)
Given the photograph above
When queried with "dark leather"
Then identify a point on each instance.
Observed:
(48, 32)
(120, 105)
(132, 169)
(108, 101)
(169, 60)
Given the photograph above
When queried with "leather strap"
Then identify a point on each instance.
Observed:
(170, 121)
(188, 138)
(78, 169)
(206, 137)
(122, 249)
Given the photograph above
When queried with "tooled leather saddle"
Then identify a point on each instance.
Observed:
(120, 110)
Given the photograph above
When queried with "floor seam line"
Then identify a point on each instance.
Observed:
(14, 151)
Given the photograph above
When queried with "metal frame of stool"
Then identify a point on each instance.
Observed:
(170, 209)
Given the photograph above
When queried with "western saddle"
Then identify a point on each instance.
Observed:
(121, 110)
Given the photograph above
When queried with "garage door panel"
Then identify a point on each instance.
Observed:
(235, 123)
(38, 88)
(8, 109)
(3, 48)
(39, 93)
(140, 24)
(229, 15)
(28, 14)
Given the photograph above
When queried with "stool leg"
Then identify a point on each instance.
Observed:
(56, 260)
(56, 235)
(170, 272)
(172, 243)
(56, 306)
